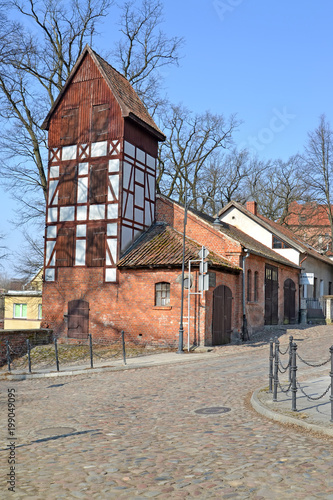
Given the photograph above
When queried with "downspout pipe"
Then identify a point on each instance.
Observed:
(245, 333)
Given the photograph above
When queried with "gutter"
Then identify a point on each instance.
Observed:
(245, 334)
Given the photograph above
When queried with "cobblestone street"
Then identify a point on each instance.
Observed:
(135, 433)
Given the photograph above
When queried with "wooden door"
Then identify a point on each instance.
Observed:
(289, 301)
(222, 306)
(271, 295)
(78, 319)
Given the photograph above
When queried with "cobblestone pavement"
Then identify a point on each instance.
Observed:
(135, 434)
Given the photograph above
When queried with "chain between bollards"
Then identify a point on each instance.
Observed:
(291, 339)
(276, 369)
(293, 377)
(123, 342)
(271, 357)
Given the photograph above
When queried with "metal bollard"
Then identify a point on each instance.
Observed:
(123, 342)
(91, 351)
(276, 369)
(293, 378)
(291, 338)
(29, 358)
(56, 353)
(331, 375)
(271, 357)
(8, 355)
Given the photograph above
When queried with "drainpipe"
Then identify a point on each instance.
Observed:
(302, 302)
(245, 334)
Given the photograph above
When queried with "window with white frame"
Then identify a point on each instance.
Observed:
(39, 311)
(20, 310)
(162, 294)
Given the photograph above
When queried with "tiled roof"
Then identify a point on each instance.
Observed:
(128, 100)
(307, 214)
(162, 246)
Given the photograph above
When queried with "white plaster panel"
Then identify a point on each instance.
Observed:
(49, 249)
(81, 230)
(52, 232)
(82, 189)
(114, 165)
(54, 172)
(147, 214)
(99, 149)
(81, 213)
(126, 174)
(112, 244)
(137, 233)
(139, 176)
(140, 155)
(114, 180)
(139, 196)
(111, 275)
(96, 212)
(68, 153)
(126, 237)
(111, 229)
(129, 207)
(151, 182)
(113, 211)
(289, 253)
(67, 213)
(52, 187)
(80, 253)
(247, 225)
(138, 215)
(129, 149)
(49, 274)
(151, 162)
(52, 215)
(83, 168)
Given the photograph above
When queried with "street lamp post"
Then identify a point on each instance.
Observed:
(181, 327)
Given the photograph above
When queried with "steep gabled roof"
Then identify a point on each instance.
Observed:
(307, 214)
(162, 246)
(130, 104)
(281, 232)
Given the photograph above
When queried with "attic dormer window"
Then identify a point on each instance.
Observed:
(277, 243)
(100, 122)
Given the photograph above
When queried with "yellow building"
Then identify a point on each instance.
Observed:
(23, 308)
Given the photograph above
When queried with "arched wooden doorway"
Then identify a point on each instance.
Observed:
(78, 319)
(222, 306)
(289, 301)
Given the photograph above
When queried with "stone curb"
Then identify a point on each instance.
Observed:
(147, 363)
(286, 419)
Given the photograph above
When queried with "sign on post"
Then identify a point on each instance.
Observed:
(203, 270)
(306, 279)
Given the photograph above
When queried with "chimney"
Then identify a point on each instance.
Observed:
(251, 206)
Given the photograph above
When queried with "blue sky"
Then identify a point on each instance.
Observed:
(267, 61)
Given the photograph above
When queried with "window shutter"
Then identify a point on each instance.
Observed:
(69, 126)
(98, 183)
(67, 185)
(65, 247)
(96, 246)
(100, 122)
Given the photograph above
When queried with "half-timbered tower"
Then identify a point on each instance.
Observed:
(102, 165)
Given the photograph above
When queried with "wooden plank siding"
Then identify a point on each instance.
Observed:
(87, 89)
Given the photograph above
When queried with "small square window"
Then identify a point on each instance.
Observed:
(20, 310)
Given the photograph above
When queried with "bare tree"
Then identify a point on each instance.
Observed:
(191, 142)
(29, 259)
(144, 49)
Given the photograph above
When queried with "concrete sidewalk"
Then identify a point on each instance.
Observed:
(312, 414)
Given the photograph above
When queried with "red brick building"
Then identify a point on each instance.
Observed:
(113, 251)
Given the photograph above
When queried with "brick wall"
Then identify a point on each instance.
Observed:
(18, 338)
(130, 305)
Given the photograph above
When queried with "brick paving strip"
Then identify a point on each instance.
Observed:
(178, 430)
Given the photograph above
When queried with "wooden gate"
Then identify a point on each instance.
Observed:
(78, 319)
(271, 295)
(222, 305)
(289, 301)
